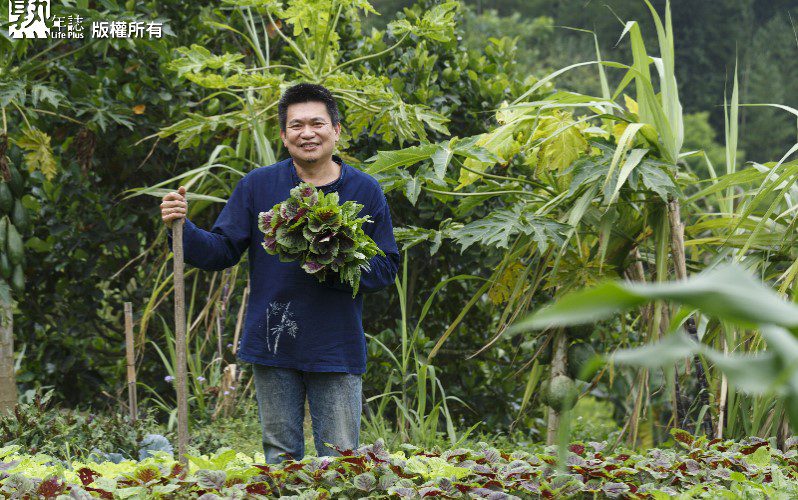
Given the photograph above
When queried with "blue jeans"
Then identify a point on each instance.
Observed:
(335, 404)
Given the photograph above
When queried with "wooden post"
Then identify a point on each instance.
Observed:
(180, 341)
(130, 349)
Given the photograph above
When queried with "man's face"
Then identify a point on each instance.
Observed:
(309, 134)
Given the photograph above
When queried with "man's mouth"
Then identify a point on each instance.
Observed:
(309, 146)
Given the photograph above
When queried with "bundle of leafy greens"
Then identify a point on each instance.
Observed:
(312, 228)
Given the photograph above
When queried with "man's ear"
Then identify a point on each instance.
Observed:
(337, 129)
(282, 136)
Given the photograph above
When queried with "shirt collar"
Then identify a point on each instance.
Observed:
(327, 188)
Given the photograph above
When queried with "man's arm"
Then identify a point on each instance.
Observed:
(222, 246)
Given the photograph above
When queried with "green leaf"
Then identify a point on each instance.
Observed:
(441, 158)
(562, 142)
(437, 23)
(39, 154)
(12, 90)
(726, 292)
(497, 228)
(761, 457)
(385, 161)
(43, 93)
(663, 353)
(197, 58)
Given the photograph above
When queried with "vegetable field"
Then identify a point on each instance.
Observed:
(595, 208)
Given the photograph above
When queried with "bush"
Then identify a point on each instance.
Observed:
(70, 434)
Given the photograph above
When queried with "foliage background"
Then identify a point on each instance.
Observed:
(92, 248)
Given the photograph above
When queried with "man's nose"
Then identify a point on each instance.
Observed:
(307, 131)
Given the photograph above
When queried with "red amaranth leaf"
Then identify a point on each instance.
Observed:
(87, 476)
(576, 448)
(103, 493)
(747, 450)
(177, 471)
(294, 466)
(263, 468)
(50, 487)
(682, 436)
(147, 474)
(258, 489)
(357, 461)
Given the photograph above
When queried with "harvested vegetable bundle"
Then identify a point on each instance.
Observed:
(311, 227)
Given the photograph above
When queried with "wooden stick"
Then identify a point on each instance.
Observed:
(180, 341)
(131, 362)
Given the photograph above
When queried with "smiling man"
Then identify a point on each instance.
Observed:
(303, 338)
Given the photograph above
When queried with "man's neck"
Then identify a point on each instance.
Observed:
(318, 174)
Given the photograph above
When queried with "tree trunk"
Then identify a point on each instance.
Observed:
(680, 265)
(559, 366)
(8, 382)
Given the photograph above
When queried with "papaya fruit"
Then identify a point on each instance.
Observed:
(6, 198)
(544, 392)
(17, 184)
(579, 355)
(16, 250)
(5, 266)
(561, 393)
(18, 279)
(19, 216)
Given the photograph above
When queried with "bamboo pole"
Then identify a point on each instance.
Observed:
(180, 340)
(130, 349)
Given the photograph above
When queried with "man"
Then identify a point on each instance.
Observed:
(304, 338)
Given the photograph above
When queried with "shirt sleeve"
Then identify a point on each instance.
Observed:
(222, 246)
(382, 269)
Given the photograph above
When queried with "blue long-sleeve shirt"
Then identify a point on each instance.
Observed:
(293, 321)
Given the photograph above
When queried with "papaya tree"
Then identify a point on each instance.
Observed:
(22, 95)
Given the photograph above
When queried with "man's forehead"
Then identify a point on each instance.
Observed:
(307, 111)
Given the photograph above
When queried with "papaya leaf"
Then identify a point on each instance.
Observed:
(385, 161)
(39, 154)
(497, 228)
(197, 58)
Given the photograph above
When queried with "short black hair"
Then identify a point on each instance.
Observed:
(307, 92)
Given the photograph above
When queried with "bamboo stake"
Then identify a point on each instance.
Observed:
(180, 341)
(131, 363)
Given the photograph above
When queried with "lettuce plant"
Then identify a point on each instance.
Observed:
(327, 238)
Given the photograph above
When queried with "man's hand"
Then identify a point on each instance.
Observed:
(174, 206)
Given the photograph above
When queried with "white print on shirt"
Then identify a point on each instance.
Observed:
(282, 318)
